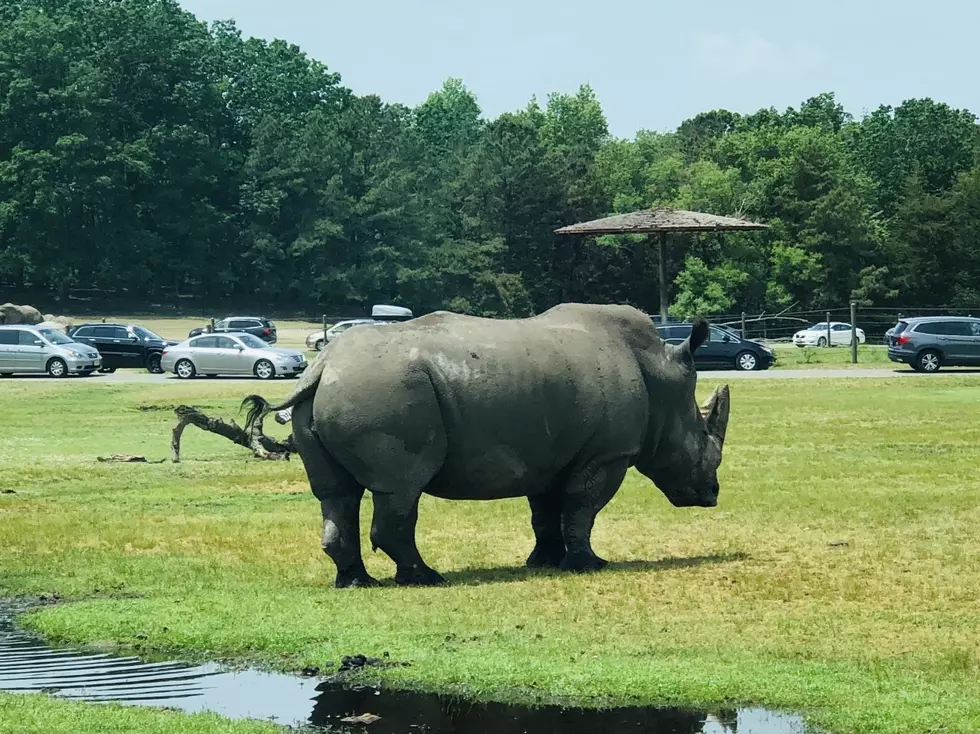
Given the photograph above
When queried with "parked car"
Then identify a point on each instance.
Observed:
(258, 326)
(930, 342)
(27, 349)
(123, 345)
(816, 335)
(231, 354)
(723, 349)
(318, 339)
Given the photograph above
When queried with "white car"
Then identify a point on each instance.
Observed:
(816, 335)
(318, 339)
(231, 354)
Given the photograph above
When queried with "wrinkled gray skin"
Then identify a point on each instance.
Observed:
(554, 408)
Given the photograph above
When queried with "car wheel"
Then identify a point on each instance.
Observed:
(319, 344)
(57, 367)
(746, 362)
(184, 369)
(153, 364)
(928, 361)
(822, 341)
(264, 369)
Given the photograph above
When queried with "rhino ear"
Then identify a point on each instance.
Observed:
(716, 412)
(698, 336)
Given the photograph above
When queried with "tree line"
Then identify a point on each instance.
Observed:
(146, 151)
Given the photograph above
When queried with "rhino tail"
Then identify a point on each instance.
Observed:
(259, 407)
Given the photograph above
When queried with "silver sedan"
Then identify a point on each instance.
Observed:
(231, 354)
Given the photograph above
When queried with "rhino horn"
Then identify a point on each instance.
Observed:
(715, 412)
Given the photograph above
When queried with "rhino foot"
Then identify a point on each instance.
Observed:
(546, 556)
(418, 576)
(355, 580)
(583, 562)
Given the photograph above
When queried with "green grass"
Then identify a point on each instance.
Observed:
(789, 356)
(757, 601)
(21, 714)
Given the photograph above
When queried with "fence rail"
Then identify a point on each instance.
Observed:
(874, 322)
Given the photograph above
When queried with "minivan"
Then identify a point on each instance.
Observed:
(930, 342)
(31, 349)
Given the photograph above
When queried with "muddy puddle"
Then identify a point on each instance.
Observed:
(28, 665)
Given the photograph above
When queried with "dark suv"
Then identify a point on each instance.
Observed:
(930, 342)
(255, 325)
(123, 345)
(724, 349)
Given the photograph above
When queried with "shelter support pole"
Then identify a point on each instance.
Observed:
(854, 334)
(662, 273)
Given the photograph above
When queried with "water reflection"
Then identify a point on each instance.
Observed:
(28, 665)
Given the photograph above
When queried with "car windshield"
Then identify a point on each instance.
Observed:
(818, 327)
(55, 337)
(252, 342)
(146, 333)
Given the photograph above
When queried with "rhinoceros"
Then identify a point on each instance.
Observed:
(555, 407)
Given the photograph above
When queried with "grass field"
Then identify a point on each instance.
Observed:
(838, 576)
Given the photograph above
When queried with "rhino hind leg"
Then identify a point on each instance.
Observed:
(340, 501)
(393, 531)
(549, 545)
(587, 492)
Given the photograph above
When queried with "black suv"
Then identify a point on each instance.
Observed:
(930, 342)
(123, 345)
(255, 325)
(724, 349)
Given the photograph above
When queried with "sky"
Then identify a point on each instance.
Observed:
(652, 64)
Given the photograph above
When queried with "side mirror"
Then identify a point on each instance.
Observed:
(239, 347)
(726, 338)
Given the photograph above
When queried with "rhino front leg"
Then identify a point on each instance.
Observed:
(549, 545)
(393, 531)
(586, 494)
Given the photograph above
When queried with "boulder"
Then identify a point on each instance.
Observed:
(12, 314)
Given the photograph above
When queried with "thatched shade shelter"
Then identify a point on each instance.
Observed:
(661, 221)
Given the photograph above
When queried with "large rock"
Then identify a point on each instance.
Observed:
(12, 314)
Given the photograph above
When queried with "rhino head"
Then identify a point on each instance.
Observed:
(684, 461)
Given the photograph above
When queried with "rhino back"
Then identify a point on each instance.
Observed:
(503, 406)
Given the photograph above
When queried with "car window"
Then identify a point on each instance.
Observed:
(842, 327)
(975, 328)
(929, 328)
(9, 336)
(958, 328)
(204, 342)
(900, 327)
(719, 335)
(26, 338)
(146, 333)
(119, 332)
(252, 342)
(243, 324)
(225, 342)
(56, 337)
(85, 331)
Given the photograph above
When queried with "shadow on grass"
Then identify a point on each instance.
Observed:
(507, 574)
